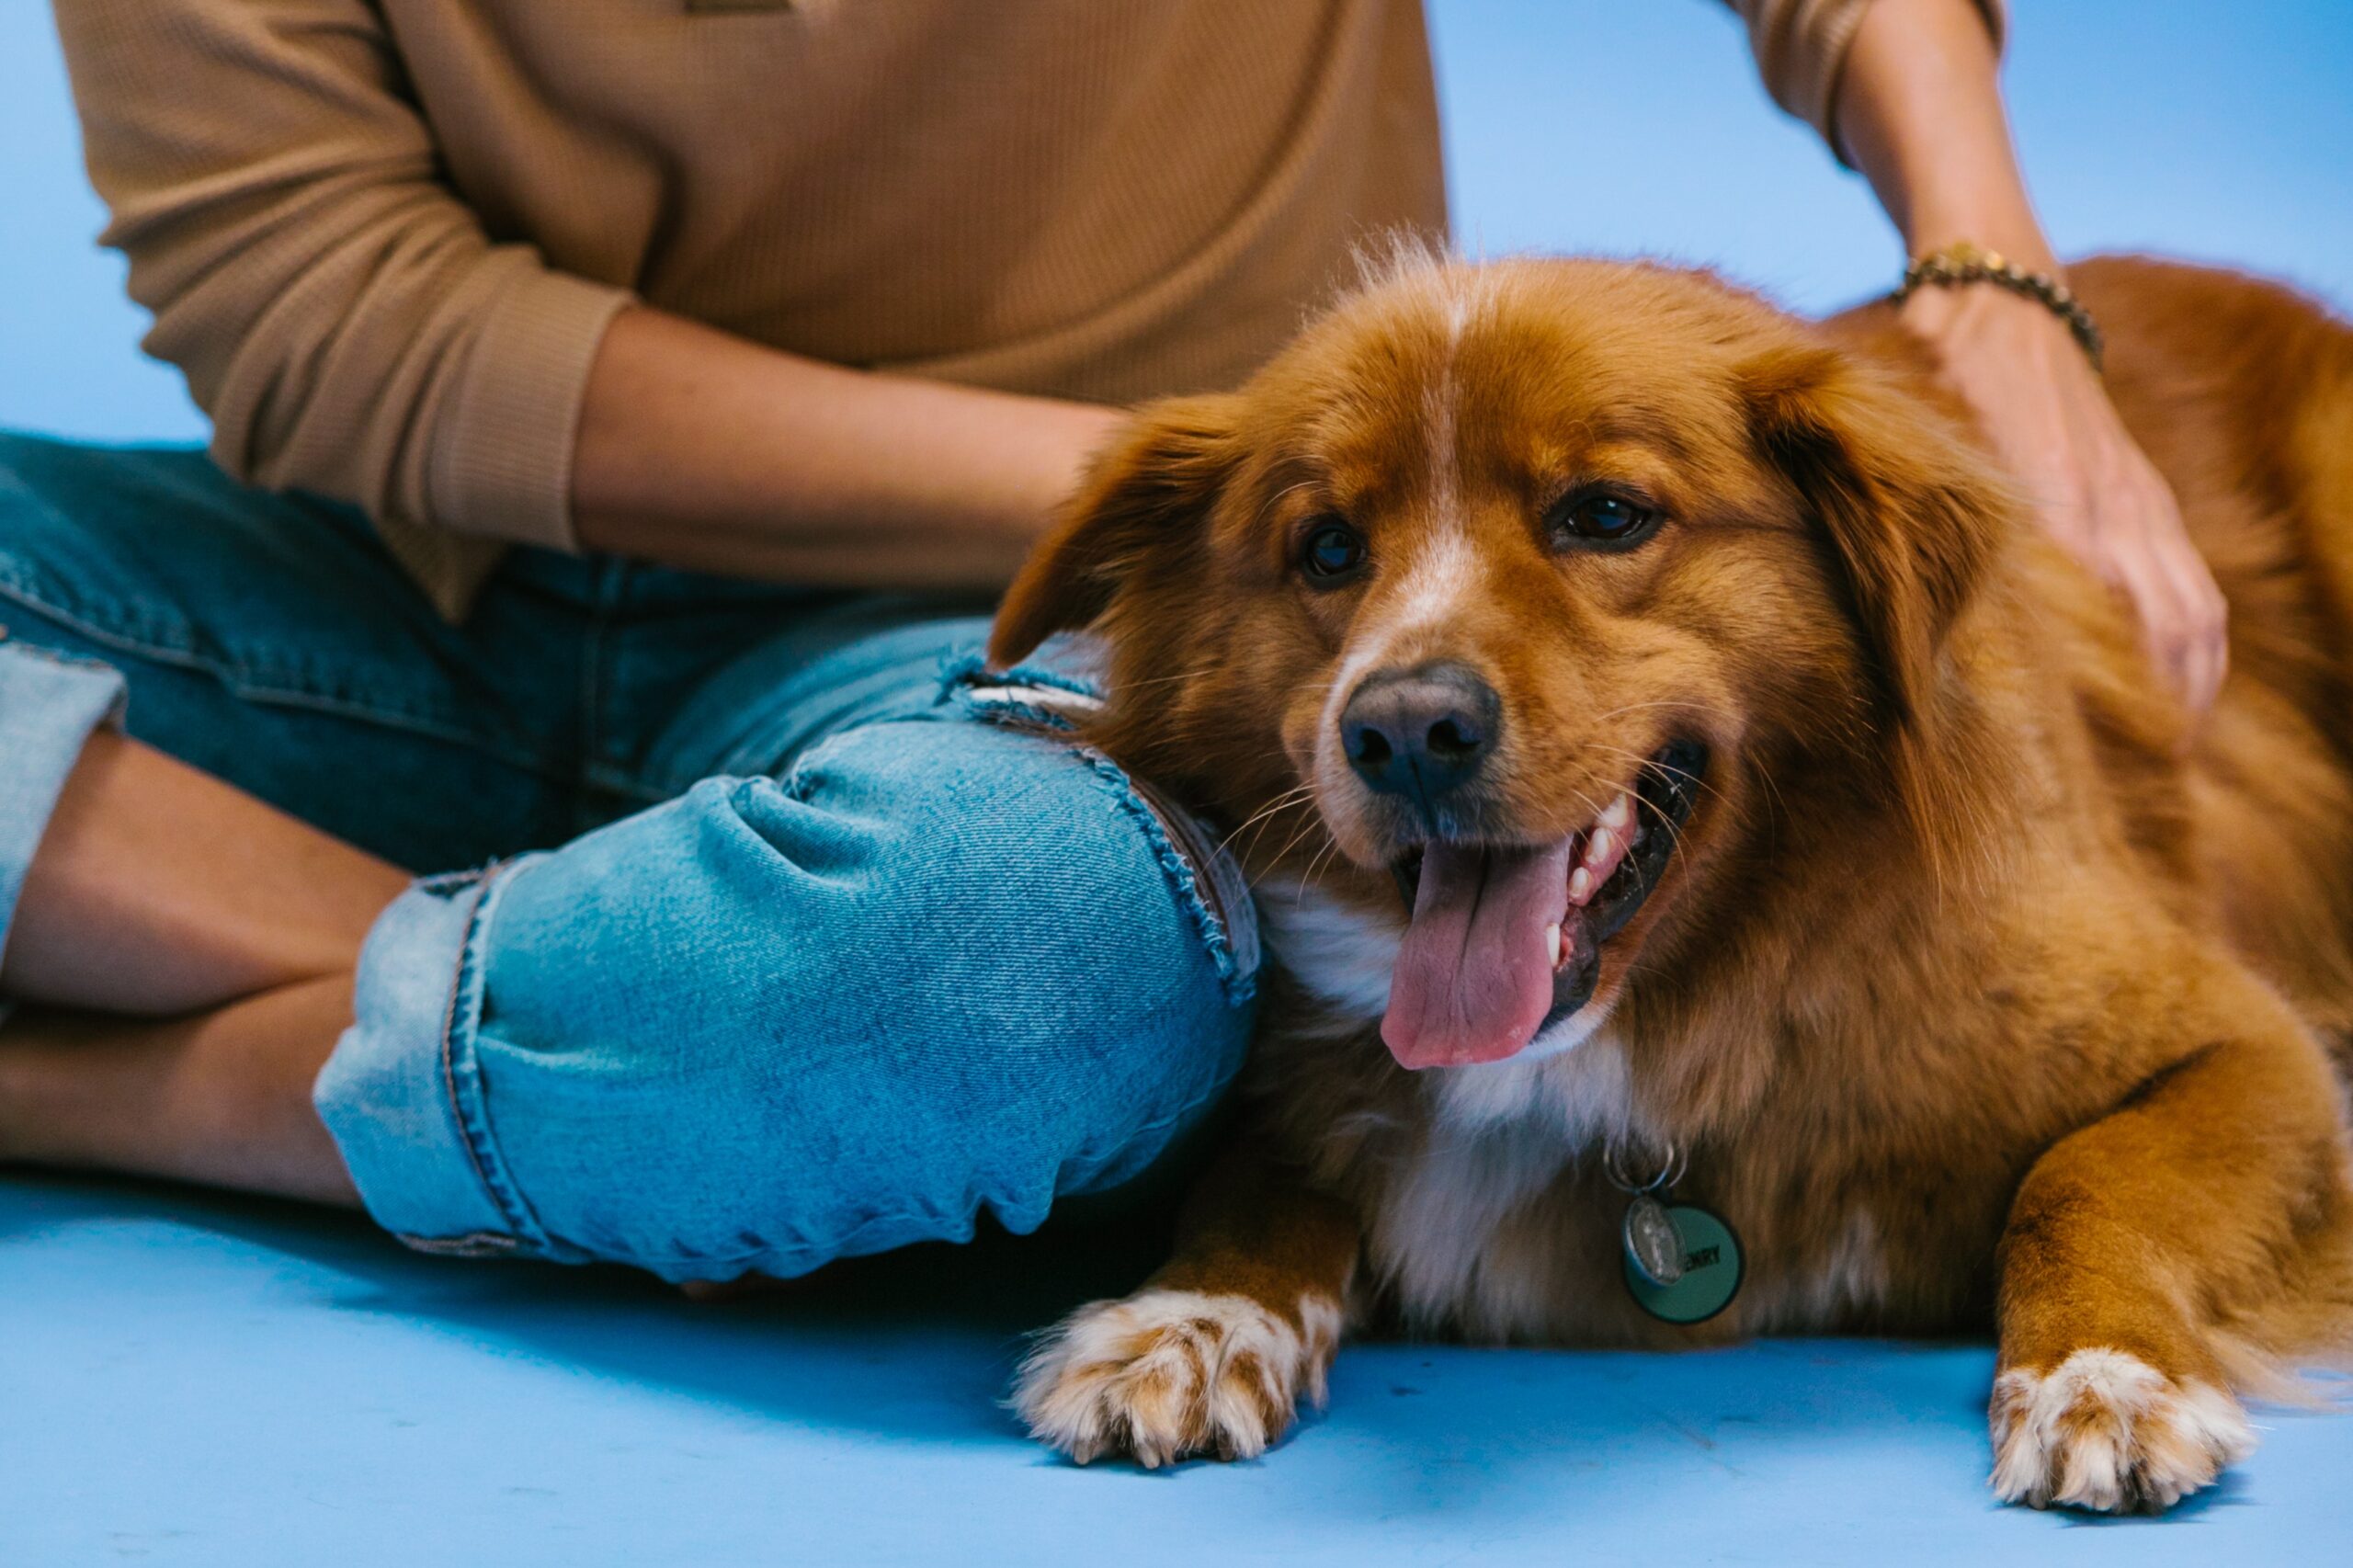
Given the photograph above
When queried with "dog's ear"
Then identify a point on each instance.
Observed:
(1142, 505)
(1911, 513)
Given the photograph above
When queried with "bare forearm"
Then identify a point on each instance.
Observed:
(702, 451)
(1919, 111)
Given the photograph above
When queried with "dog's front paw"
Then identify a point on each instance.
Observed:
(1165, 1374)
(2107, 1430)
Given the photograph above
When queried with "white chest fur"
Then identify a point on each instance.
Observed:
(1498, 1134)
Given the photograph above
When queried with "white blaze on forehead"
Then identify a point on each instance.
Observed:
(1457, 297)
(1438, 580)
(1445, 499)
(1435, 581)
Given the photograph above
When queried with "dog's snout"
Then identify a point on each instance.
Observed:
(1420, 732)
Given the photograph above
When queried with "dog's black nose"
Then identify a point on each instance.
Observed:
(1423, 732)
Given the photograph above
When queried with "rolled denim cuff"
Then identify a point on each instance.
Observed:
(48, 706)
(402, 1093)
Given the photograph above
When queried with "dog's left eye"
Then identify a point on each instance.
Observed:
(1600, 518)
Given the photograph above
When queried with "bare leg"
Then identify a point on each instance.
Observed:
(160, 890)
(221, 1096)
(233, 928)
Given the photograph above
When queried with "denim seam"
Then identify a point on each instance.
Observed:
(1239, 987)
(241, 682)
(461, 1069)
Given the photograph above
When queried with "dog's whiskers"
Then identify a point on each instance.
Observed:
(1312, 823)
(1288, 799)
(1331, 847)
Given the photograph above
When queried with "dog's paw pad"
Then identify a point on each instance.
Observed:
(2106, 1430)
(1171, 1373)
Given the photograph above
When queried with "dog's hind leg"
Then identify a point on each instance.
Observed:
(1213, 1355)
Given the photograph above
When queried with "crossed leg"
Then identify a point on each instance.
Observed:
(185, 953)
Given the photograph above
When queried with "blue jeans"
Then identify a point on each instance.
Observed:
(789, 932)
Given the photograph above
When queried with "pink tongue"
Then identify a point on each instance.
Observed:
(1475, 973)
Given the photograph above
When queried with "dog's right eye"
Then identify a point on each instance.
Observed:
(1332, 551)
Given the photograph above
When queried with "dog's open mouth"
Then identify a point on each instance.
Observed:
(1504, 940)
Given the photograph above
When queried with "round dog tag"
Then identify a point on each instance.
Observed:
(1710, 1272)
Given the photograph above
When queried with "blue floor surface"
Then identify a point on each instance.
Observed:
(186, 1380)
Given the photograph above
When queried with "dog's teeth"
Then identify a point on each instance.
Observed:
(1552, 943)
(1601, 848)
(1618, 813)
(1580, 885)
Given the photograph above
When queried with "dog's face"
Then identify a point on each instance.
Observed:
(1515, 589)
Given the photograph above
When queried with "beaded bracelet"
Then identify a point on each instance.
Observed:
(1951, 266)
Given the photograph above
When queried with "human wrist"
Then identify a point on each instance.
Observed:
(2006, 227)
(1971, 273)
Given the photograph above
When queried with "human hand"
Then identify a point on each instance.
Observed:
(2047, 416)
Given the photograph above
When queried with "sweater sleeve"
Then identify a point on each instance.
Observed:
(339, 313)
(1801, 44)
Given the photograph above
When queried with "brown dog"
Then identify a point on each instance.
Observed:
(1779, 811)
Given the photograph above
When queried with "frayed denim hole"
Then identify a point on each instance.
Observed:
(984, 692)
(971, 668)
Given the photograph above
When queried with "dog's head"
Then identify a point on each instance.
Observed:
(1523, 588)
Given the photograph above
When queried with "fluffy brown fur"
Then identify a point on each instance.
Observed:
(1978, 992)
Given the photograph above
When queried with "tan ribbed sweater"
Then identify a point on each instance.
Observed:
(383, 237)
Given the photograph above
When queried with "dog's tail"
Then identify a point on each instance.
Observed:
(2318, 477)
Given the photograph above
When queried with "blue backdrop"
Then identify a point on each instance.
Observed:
(1612, 125)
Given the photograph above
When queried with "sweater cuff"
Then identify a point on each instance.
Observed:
(502, 449)
(1802, 48)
